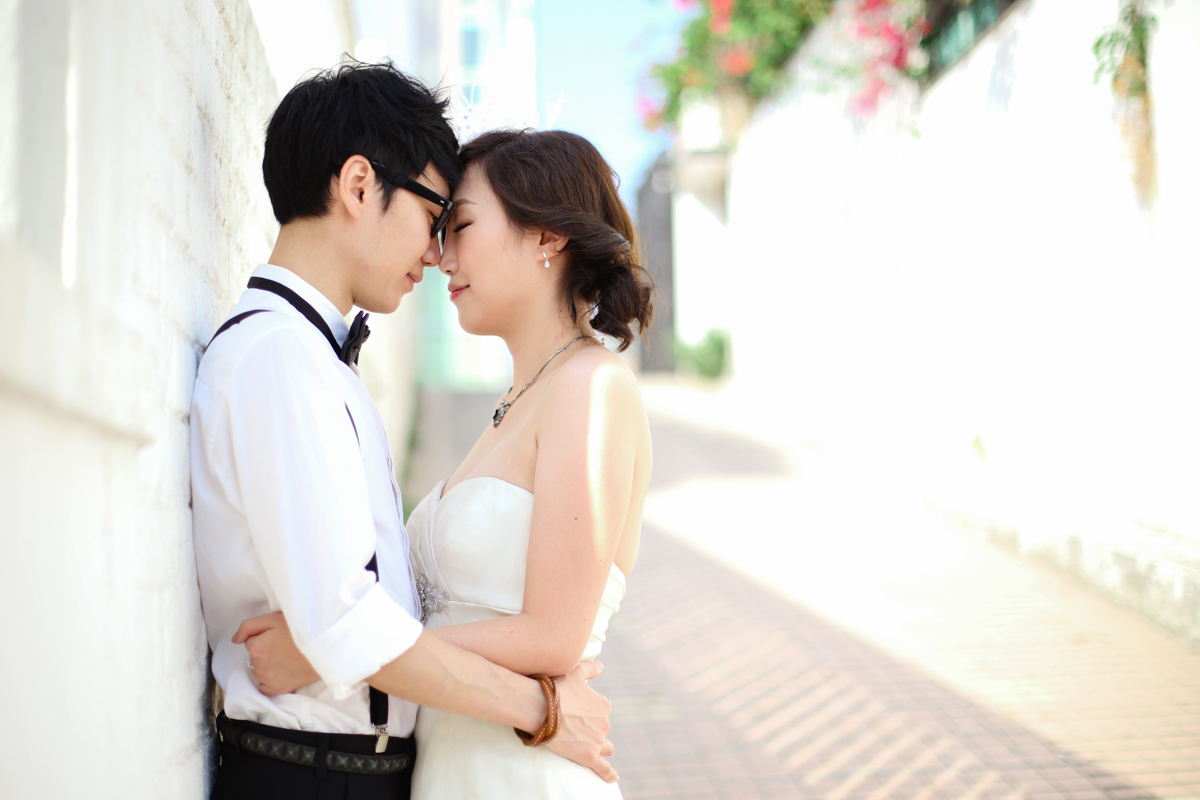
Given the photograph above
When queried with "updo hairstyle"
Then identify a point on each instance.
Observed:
(557, 181)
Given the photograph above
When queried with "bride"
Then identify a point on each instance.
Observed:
(521, 555)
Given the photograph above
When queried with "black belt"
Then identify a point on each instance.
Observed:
(240, 735)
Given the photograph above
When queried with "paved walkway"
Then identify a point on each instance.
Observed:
(798, 628)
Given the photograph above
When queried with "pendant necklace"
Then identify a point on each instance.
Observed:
(505, 405)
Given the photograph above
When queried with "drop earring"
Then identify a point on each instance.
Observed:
(547, 264)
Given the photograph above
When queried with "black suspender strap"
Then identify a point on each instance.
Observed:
(379, 700)
(229, 323)
(301, 305)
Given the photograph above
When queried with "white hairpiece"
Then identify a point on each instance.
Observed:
(471, 118)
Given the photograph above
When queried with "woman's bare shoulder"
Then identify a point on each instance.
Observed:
(596, 375)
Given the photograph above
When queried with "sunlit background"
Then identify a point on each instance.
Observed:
(924, 383)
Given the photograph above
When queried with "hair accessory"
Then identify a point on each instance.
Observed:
(549, 728)
(471, 118)
(547, 264)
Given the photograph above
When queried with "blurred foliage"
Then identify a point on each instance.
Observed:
(1128, 41)
(410, 503)
(707, 358)
(732, 44)
(1123, 52)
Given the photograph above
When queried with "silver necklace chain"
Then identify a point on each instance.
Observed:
(498, 415)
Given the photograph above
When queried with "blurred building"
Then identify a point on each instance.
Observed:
(655, 229)
(967, 291)
(489, 58)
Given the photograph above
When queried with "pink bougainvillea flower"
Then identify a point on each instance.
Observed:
(684, 5)
(722, 11)
(650, 113)
(737, 62)
(890, 33)
(864, 104)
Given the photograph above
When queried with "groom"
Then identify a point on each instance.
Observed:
(295, 504)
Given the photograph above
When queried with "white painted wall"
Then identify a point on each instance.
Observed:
(302, 35)
(704, 259)
(704, 267)
(994, 277)
(131, 213)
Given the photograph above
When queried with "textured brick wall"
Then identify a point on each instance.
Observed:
(131, 211)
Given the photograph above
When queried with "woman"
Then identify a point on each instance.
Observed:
(521, 555)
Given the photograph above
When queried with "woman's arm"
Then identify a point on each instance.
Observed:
(591, 432)
(432, 673)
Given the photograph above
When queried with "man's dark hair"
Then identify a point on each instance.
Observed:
(372, 110)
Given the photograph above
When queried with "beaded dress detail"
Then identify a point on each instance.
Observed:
(468, 551)
(433, 597)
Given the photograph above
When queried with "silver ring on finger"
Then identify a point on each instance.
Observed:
(250, 663)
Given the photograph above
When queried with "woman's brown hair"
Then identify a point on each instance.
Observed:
(557, 181)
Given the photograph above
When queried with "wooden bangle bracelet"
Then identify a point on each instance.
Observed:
(549, 728)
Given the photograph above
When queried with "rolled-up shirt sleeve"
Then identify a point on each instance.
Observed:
(301, 485)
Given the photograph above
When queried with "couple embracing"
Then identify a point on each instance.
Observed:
(359, 658)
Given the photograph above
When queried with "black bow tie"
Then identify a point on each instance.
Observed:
(354, 341)
(348, 352)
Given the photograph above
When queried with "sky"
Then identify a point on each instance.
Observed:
(595, 56)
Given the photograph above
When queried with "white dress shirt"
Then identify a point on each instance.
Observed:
(292, 491)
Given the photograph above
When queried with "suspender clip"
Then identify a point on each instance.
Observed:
(381, 742)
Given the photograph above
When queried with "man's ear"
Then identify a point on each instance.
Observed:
(552, 243)
(354, 184)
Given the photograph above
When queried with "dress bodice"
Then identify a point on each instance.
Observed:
(468, 551)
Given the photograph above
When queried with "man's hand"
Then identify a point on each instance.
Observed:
(582, 735)
(279, 666)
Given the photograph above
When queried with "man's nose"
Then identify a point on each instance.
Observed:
(433, 253)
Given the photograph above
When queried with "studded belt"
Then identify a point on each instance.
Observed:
(304, 755)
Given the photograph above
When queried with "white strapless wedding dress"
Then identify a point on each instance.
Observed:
(468, 553)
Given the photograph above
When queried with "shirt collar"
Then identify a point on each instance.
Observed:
(323, 305)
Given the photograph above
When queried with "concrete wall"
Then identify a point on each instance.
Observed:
(966, 294)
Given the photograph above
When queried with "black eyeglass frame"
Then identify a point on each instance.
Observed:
(422, 191)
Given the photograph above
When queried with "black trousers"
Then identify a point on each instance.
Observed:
(243, 775)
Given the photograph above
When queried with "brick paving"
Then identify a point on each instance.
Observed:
(982, 678)
(723, 689)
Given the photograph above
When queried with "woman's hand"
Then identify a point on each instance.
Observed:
(584, 720)
(278, 665)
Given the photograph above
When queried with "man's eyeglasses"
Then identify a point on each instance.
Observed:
(422, 191)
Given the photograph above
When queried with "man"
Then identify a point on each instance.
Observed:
(295, 504)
